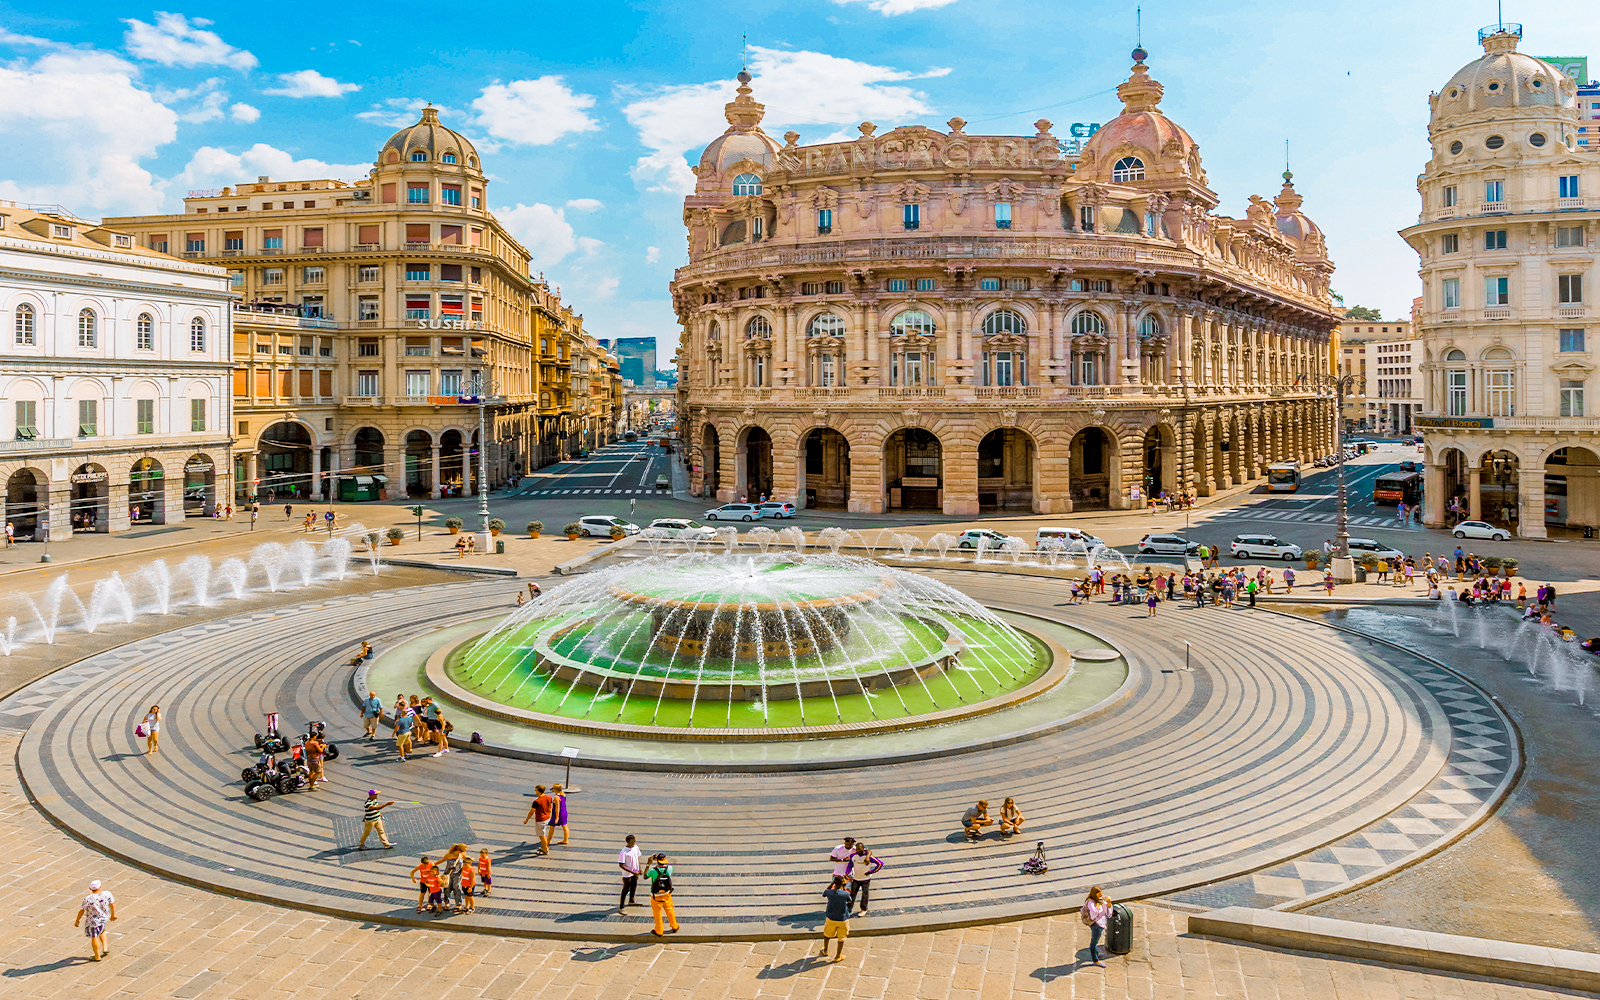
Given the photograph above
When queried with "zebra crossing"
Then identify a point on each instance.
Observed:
(1253, 514)
(603, 492)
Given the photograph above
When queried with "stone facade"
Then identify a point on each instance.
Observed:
(944, 321)
(1506, 240)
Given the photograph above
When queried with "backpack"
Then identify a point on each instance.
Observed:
(660, 881)
(476, 738)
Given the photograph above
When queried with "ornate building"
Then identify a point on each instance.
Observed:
(1507, 242)
(943, 321)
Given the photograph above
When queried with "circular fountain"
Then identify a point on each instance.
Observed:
(747, 646)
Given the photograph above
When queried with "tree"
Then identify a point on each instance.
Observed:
(1363, 313)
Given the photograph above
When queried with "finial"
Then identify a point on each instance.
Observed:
(743, 77)
(1288, 175)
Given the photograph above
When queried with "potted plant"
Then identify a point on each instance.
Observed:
(372, 540)
(572, 530)
(1493, 564)
(617, 534)
(453, 524)
(394, 535)
(1508, 566)
(534, 527)
(1313, 558)
(496, 526)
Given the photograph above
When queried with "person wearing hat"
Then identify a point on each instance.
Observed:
(372, 820)
(99, 906)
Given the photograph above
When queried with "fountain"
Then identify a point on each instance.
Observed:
(940, 542)
(301, 557)
(270, 557)
(55, 598)
(234, 572)
(833, 538)
(159, 578)
(729, 537)
(761, 537)
(109, 595)
(906, 543)
(338, 551)
(198, 569)
(718, 643)
(8, 638)
(795, 538)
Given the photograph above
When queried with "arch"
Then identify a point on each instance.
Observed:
(393, 156)
(472, 161)
(1007, 470)
(89, 498)
(419, 155)
(199, 485)
(367, 444)
(752, 464)
(1088, 323)
(88, 328)
(1499, 488)
(27, 494)
(759, 327)
(283, 461)
(454, 474)
(710, 468)
(1150, 326)
(746, 184)
(448, 156)
(912, 322)
(1497, 354)
(1160, 461)
(914, 470)
(1129, 168)
(419, 463)
(825, 325)
(1004, 321)
(1455, 354)
(26, 326)
(1572, 488)
(144, 331)
(147, 492)
(1092, 468)
(733, 232)
(824, 464)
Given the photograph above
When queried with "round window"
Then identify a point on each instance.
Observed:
(1495, 141)
(1453, 92)
(1537, 84)
(1493, 87)
(1455, 149)
(1536, 139)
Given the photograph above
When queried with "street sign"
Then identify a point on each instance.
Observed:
(469, 400)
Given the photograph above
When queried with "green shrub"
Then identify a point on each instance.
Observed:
(1509, 565)
(394, 534)
(495, 524)
(1313, 558)
(572, 528)
(534, 527)
(453, 522)
(1493, 564)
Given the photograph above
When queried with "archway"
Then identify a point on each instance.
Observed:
(284, 460)
(710, 460)
(419, 464)
(451, 465)
(914, 467)
(753, 464)
(1571, 488)
(1005, 470)
(1200, 459)
(1499, 480)
(90, 498)
(1092, 456)
(825, 459)
(368, 447)
(1160, 465)
(27, 491)
(147, 492)
(199, 486)
(1455, 484)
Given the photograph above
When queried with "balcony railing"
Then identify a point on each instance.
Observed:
(1496, 312)
(822, 391)
(911, 392)
(1568, 204)
(363, 400)
(1494, 208)
(1570, 311)
(1008, 392)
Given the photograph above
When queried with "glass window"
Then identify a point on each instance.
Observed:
(419, 156)
(899, 285)
(236, 278)
(1002, 215)
(1569, 288)
(367, 348)
(1494, 239)
(417, 194)
(988, 284)
(1496, 291)
(367, 272)
(197, 414)
(448, 158)
(417, 383)
(272, 239)
(418, 347)
(826, 372)
(25, 325)
(1569, 186)
(233, 240)
(911, 216)
(158, 242)
(27, 420)
(1456, 389)
(745, 184)
(88, 328)
(1004, 321)
(1450, 243)
(313, 276)
(1149, 327)
(1452, 293)
(1572, 341)
(912, 322)
(418, 272)
(1571, 398)
(1088, 324)
(825, 325)
(88, 417)
(758, 327)
(1129, 168)
(272, 276)
(477, 199)
(419, 306)
(925, 284)
(1450, 197)
(758, 370)
(1502, 393)
(1494, 191)
(824, 221)
(366, 383)
(145, 414)
(1569, 236)
(833, 287)
(195, 243)
(1086, 218)
(450, 383)
(367, 307)
(197, 334)
(450, 194)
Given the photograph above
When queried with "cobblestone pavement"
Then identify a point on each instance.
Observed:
(176, 941)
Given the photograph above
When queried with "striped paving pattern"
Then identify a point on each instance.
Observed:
(1251, 513)
(1283, 739)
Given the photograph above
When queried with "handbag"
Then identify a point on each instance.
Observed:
(139, 730)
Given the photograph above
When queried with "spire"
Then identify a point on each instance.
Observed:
(1139, 92)
(743, 112)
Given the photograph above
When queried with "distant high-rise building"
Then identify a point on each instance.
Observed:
(638, 357)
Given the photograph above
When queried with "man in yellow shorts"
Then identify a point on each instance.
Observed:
(836, 925)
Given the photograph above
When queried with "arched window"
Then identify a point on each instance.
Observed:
(419, 156)
(912, 322)
(758, 327)
(88, 328)
(1129, 168)
(1004, 321)
(144, 329)
(25, 327)
(747, 184)
(448, 158)
(1150, 327)
(1087, 324)
(715, 333)
(197, 334)
(1455, 385)
(826, 325)
(472, 161)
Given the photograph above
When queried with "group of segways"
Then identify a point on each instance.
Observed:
(271, 776)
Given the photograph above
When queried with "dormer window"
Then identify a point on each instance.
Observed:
(1129, 168)
(126, 242)
(418, 156)
(746, 184)
(61, 232)
(448, 158)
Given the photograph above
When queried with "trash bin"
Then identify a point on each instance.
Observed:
(499, 548)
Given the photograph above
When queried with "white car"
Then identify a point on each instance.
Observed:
(777, 508)
(681, 527)
(1264, 547)
(969, 539)
(1369, 547)
(1168, 545)
(600, 525)
(1067, 536)
(734, 512)
(1480, 529)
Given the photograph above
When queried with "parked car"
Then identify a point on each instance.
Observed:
(1408, 466)
(777, 508)
(1481, 529)
(682, 527)
(1264, 547)
(1070, 536)
(969, 539)
(1367, 546)
(1168, 545)
(734, 512)
(600, 525)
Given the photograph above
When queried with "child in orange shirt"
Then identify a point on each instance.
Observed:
(426, 875)
(466, 886)
(483, 871)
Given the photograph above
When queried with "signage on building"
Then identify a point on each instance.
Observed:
(79, 478)
(452, 400)
(1083, 130)
(198, 467)
(445, 324)
(1460, 422)
(1577, 67)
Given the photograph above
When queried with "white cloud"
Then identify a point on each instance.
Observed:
(542, 229)
(310, 83)
(87, 109)
(590, 247)
(533, 112)
(398, 112)
(818, 87)
(595, 289)
(244, 113)
(175, 40)
(586, 204)
(211, 167)
(889, 8)
(652, 254)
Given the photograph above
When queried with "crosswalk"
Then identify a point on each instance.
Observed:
(1252, 514)
(602, 492)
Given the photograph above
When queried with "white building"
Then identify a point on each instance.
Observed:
(1506, 239)
(115, 377)
(1394, 393)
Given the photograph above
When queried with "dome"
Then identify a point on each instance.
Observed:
(1141, 123)
(1503, 78)
(1288, 218)
(430, 136)
(744, 139)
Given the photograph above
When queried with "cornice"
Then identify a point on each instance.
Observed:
(56, 279)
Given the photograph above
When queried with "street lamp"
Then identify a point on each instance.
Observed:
(480, 396)
(1344, 570)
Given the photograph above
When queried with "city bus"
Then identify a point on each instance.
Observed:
(1395, 488)
(1283, 477)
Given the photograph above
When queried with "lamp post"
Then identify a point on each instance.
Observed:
(480, 396)
(1344, 570)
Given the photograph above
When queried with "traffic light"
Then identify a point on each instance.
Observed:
(417, 510)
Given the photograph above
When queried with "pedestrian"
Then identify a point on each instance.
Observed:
(539, 812)
(314, 751)
(1327, 582)
(230, 512)
(450, 867)
(841, 855)
(533, 591)
(1522, 595)
(404, 724)
(430, 891)
(152, 729)
(1205, 555)
(11, 534)
(252, 519)
(1550, 596)
(559, 812)
(836, 921)
(99, 906)
(1327, 547)
(1096, 912)
(1172, 585)
(1250, 589)
(1151, 602)
(461, 546)
(441, 730)
(864, 865)
(1199, 593)
(660, 875)
(1383, 569)
(485, 874)
(1288, 579)
(371, 711)
(628, 861)
(633, 505)
(467, 881)
(288, 512)
(372, 821)
(472, 544)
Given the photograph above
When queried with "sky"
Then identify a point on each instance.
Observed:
(588, 115)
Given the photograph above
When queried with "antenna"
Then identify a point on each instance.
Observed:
(744, 53)
(1499, 13)
(1138, 26)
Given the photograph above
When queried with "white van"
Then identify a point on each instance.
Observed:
(1066, 535)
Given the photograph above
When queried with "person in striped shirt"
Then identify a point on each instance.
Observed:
(372, 820)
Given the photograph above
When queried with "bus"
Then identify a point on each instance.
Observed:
(1395, 488)
(1283, 477)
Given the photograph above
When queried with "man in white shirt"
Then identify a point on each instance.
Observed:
(841, 855)
(628, 861)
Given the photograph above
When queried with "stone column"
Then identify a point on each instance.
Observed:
(315, 489)
(249, 473)
(867, 488)
(959, 456)
(1530, 510)
(1475, 493)
(1434, 502)
(433, 491)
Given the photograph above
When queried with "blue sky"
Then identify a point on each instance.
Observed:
(586, 113)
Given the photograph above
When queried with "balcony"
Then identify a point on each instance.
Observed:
(1494, 208)
(1496, 312)
(1569, 204)
(822, 392)
(363, 401)
(1570, 311)
(1008, 392)
(911, 392)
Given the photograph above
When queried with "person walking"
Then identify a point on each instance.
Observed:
(864, 865)
(99, 907)
(660, 875)
(1096, 912)
(152, 729)
(836, 920)
(1288, 579)
(314, 751)
(540, 813)
(1151, 602)
(404, 723)
(1250, 589)
(633, 505)
(371, 710)
(372, 821)
(450, 867)
(628, 861)
(558, 817)
(485, 874)
(11, 534)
